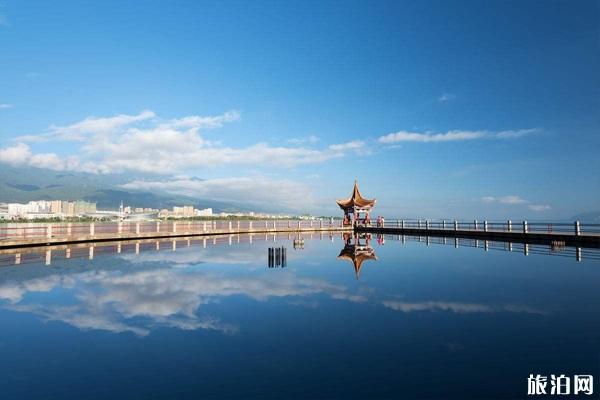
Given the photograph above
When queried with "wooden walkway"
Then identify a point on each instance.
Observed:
(31, 235)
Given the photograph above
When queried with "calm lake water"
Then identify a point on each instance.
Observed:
(420, 321)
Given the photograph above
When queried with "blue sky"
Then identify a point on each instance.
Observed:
(439, 109)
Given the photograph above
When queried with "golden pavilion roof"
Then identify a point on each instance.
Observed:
(356, 200)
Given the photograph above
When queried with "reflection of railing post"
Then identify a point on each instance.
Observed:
(577, 228)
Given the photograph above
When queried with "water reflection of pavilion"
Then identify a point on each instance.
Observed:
(357, 249)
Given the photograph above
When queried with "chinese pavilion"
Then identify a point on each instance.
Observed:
(354, 206)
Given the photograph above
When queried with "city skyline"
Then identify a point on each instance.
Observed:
(439, 110)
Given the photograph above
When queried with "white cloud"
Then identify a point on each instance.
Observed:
(4, 106)
(539, 207)
(457, 307)
(514, 200)
(140, 300)
(312, 139)
(446, 97)
(145, 143)
(255, 190)
(511, 200)
(451, 136)
(21, 155)
(15, 155)
(83, 130)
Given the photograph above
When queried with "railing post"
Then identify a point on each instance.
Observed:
(321, 224)
(92, 229)
(119, 227)
(49, 231)
(577, 228)
(289, 224)
(402, 224)
(69, 229)
(266, 224)
(275, 224)
(157, 226)
(427, 224)
(524, 226)
(475, 224)
(455, 225)
(174, 226)
(137, 228)
(204, 226)
(419, 224)
(299, 223)
(485, 226)
(238, 225)
(250, 226)
(444, 224)
(229, 226)
(509, 226)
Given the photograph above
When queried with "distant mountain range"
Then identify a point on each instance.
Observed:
(26, 184)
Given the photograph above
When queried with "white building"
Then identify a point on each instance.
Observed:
(206, 212)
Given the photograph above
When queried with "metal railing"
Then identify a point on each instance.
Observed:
(25, 231)
(575, 228)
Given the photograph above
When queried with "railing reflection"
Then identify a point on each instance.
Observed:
(553, 248)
